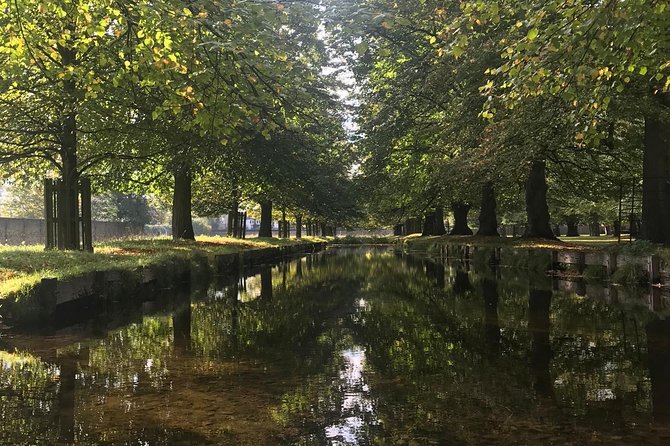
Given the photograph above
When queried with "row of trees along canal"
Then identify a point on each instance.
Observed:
(563, 103)
(463, 104)
(212, 103)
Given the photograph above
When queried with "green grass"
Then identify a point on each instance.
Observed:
(22, 267)
(366, 240)
(415, 241)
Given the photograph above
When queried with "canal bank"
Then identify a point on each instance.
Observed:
(639, 264)
(350, 346)
(37, 285)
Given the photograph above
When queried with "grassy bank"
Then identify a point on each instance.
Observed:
(21, 268)
(416, 242)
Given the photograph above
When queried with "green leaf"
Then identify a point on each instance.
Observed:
(362, 48)
(533, 33)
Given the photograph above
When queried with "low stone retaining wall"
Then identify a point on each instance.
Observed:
(43, 301)
(541, 258)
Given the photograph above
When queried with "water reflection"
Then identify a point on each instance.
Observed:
(658, 342)
(352, 347)
(357, 410)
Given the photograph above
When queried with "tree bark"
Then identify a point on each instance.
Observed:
(573, 228)
(537, 209)
(438, 221)
(655, 181)
(460, 210)
(412, 226)
(68, 203)
(488, 221)
(428, 224)
(298, 226)
(182, 221)
(266, 219)
(594, 229)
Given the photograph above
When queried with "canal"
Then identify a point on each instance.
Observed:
(349, 347)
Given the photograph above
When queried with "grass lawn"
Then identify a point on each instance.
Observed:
(415, 241)
(21, 267)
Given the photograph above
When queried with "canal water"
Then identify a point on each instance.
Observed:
(350, 347)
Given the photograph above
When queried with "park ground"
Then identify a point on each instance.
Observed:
(22, 267)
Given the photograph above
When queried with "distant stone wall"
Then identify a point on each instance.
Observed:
(31, 231)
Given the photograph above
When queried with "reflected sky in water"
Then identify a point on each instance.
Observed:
(352, 347)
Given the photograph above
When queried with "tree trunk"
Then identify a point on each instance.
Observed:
(266, 219)
(488, 221)
(655, 181)
(298, 226)
(594, 229)
(573, 228)
(283, 232)
(412, 226)
(438, 221)
(537, 209)
(428, 224)
(68, 205)
(460, 210)
(398, 230)
(182, 222)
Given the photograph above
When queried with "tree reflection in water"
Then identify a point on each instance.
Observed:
(354, 347)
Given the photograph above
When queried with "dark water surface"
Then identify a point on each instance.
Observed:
(350, 347)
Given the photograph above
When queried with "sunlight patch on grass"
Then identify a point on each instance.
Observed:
(22, 267)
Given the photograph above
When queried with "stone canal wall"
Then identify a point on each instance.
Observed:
(650, 268)
(54, 298)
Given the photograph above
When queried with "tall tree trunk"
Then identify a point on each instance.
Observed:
(266, 219)
(298, 226)
(68, 206)
(655, 181)
(283, 229)
(398, 230)
(428, 224)
(573, 228)
(594, 229)
(438, 221)
(460, 210)
(537, 209)
(488, 220)
(182, 221)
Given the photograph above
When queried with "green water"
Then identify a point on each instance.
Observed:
(351, 347)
